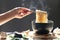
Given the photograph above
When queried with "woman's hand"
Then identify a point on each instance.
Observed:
(21, 12)
(18, 12)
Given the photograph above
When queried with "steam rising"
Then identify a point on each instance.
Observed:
(36, 4)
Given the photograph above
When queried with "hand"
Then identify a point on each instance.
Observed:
(21, 12)
(18, 12)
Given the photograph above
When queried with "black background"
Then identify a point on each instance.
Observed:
(25, 23)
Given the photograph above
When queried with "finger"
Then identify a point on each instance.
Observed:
(23, 11)
(22, 16)
(17, 8)
(26, 14)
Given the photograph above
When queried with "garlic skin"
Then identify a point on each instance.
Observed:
(57, 32)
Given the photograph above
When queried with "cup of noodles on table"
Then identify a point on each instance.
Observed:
(41, 24)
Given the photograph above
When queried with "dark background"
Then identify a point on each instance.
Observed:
(51, 6)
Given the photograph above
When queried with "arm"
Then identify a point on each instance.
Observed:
(11, 14)
(7, 16)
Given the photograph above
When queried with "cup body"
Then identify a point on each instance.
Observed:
(42, 26)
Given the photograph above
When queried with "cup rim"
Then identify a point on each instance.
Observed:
(49, 21)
